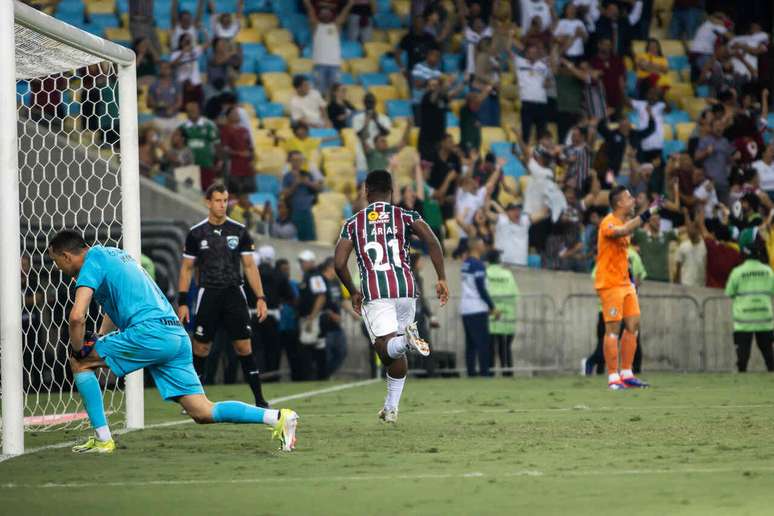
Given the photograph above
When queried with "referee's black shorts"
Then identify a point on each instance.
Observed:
(222, 308)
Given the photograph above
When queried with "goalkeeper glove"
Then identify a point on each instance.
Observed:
(652, 210)
(89, 340)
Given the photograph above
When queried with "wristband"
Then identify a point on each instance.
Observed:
(260, 298)
(182, 299)
(645, 216)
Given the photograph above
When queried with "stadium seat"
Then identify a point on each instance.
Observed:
(271, 63)
(355, 96)
(513, 167)
(327, 230)
(339, 168)
(534, 261)
(278, 37)
(678, 62)
(254, 95)
(376, 49)
(300, 65)
(261, 198)
(694, 107)
(451, 63)
(346, 78)
(226, 6)
(363, 65)
(101, 7)
(399, 108)
(247, 79)
(501, 149)
(351, 49)
(264, 22)
(398, 80)
(270, 110)
(373, 79)
(383, 94)
(276, 81)
(270, 160)
(672, 147)
(283, 97)
(388, 20)
(668, 132)
(276, 123)
(284, 50)
(672, 47)
(394, 36)
(267, 184)
(387, 64)
(337, 154)
(331, 135)
(676, 116)
(684, 130)
(249, 35)
(452, 120)
(120, 35)
(489, 135)
(702, 91)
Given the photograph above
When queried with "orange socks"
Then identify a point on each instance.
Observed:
(628, 349)
(611, 354)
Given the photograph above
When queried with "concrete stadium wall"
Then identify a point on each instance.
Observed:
(683, 329)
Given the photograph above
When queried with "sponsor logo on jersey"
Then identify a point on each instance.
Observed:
(217, 232)
(373, 216)
(613, 312)
(379, 217)
(232, 242)
(204, 245)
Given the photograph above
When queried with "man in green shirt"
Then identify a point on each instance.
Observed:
(751, 286)
(202, 137)
(654, 248)
(504, 292)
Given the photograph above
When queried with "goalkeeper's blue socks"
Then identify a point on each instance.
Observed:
(238, 412)
(91, 394)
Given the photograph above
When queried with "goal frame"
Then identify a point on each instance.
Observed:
(11, 342)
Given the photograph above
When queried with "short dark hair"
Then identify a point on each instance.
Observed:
(298, 80)
(379, 181)
(215, 187)
(67, 240)
(615, 193)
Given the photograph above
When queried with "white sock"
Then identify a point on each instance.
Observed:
(394, 390)
(626, 373)
(613, 378)
(396, 347)
(270, 417)
(103, 433)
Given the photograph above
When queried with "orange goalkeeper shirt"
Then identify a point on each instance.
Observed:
(612, 260)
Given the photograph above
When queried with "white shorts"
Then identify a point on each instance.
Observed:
(385, 316)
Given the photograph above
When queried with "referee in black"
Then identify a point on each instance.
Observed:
(216, 246)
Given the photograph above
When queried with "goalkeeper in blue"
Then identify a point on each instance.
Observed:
(140, 330)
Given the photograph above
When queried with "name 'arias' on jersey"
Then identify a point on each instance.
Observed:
(380, 234)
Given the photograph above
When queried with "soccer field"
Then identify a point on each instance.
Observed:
(693, 444)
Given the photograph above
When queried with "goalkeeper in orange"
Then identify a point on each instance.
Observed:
(615, 287)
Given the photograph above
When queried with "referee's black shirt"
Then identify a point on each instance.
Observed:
(217, 251)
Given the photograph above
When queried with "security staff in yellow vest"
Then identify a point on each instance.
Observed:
(504, 293)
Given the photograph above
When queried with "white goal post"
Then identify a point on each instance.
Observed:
(33, 47)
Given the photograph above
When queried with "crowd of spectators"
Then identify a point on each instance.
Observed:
(519, 117)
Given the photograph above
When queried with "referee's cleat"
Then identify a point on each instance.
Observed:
(94, 445)
(415, 342)
(632, 382)
(262, 404)
(285, 430)
(388, 415)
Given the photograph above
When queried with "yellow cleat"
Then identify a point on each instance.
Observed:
(285, 429)
(94, 445)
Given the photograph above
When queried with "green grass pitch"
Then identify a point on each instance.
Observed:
(692, 444)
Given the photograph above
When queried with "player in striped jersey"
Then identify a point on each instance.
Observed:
(380, 236)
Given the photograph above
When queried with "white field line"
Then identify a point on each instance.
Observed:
(300, 395)
(376, 478)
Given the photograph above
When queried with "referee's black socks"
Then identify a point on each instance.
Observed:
(252, 376)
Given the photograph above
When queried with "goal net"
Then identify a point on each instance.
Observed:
(75, 121)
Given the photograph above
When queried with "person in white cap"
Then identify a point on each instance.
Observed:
(312, 296)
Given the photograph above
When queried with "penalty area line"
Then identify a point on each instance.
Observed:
(281, 399)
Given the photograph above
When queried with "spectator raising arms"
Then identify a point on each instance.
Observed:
(326, 42)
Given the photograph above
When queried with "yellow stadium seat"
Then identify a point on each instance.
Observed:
(507, 78)
(249, 108)
(668, 133)
(402, 8)
(263, 138)
(456, 105)
(330, 154)
(277, 36)
(286, 51)
(163, 38)
(101, 6)
(454, 132)
(414, 136)
(638, 46)
(270, 160)
(276, 123)
(375, 49)
(325, 211)
(398, 80)
(489, 135)
(342, 184)
(672, 47)
(249, 35)
(452, 229)
(405, 161)
(679, 91)
(363, 65)
(274, 81)
(327, 230)
(118, 34)
(395, 35)
(457, 40)
(300, 65)
(355, 96)
(335, 199)
(264, 22)
(379, 35)
(247, 79)
(283, 97)
(684, 130)
(383, 93)
(350, 139)
(340, 169)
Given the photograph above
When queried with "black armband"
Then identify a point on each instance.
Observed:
(645, 216)
(182, 299)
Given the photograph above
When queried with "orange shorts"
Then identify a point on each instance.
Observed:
(618, 303)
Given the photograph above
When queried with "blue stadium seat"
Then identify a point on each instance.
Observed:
(678, 62)
(513, 167)
(373, 79)
(253, 50)
(452, 120)
(399, 108)
(302, 36)
(347, 210)
(383, 6)
(351, 50)
(770, 119)
(501, 149)
(676, 117)
(104, 20)
(272, 63)
(122, 6)
(387, 64)
(631, 83)
(282, 9)
(267, 184)
(261, 198)
(451, 63)
(227, 6)
(306, 52)
(346, 78)
(672, 147)
(622, 180)
(254, 95)
(534, 261)
(190, 5)
(702, 91)
(634, 118)
(326, 132)
(257, 6)
(69, 8)
(269, 110)
(388, 20)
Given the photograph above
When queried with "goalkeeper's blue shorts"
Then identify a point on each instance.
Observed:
(162, 347)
